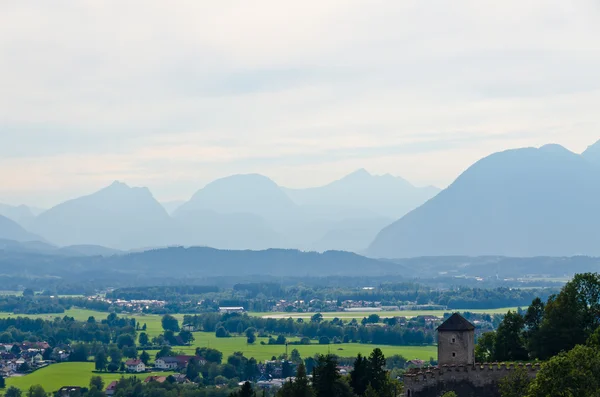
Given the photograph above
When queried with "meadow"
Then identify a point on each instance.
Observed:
(56, 376)
(265, 352)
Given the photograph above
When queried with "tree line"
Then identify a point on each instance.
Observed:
(336, 330)
(564, 332)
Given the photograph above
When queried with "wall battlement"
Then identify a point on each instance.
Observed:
(426, 382)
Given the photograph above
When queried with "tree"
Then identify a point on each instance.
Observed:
(192, 371)
(327, 381)
(187, 337)
(165, 351)
(359, 376)
(36, 391)
(377, 373)
(210, 355)
(115, 354)
(281, 340)
(23, 368)
(91, 320)
(295, 356)
(251, 336)
(317, 318)
(222, 333)
(125, 340)
(143, 339)
(80, 353)
(286, 370)
(516, 384)
(485, 348)
(246, 391)
(299, 388)
(324, 340)
(373, 319)
(2, 382)
(101, 360)
(97, 382)
(571, 316)
(509, 345)
(574, 373)
(13, 392)
(449, 394)
(28, 292)
(112, 367)
(130, 352)
(170, 323)
(16, 350)
(145, 357)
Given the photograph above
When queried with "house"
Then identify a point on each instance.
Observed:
(172, 363)
(180, 378)
(166, 364)
(110, 389)
(13, 365)
(38, 358)
(415, 364)
(159, 379)
(189, 328)
(5, 372)
(224, 310)
(135, 366)
(69, 391)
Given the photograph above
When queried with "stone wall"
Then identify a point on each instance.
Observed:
(456, 347)
(479, 380)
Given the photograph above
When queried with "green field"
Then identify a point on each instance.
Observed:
(264, 352)
(56, 376)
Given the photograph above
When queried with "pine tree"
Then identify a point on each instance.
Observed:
(359, 377)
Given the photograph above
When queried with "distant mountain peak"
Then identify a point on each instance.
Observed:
(592, 153)
(361, 172)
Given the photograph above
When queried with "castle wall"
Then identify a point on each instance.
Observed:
(480, 380)
(456, 347)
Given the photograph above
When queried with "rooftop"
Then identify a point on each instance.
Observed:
(456, 322)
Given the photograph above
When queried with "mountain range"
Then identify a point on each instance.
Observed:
(524, 202)
(237, 212)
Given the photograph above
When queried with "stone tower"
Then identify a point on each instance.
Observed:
(456, 342)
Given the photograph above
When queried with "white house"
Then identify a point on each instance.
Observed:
(166, 363)
(135, 366)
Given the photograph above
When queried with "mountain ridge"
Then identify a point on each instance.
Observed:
(520, 202)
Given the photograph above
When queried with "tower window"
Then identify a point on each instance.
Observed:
(453, 340)
(453, 354)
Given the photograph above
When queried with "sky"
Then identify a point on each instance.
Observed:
(174, 94)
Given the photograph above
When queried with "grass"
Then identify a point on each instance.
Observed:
(56, 376)
(264, 352)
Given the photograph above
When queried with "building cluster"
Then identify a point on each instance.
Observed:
(131, 305)
(20, 358)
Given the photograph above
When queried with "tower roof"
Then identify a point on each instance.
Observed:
(456, 322)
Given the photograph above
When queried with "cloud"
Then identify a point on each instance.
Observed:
(175, 94)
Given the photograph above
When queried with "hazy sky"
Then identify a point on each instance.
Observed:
(172, 94)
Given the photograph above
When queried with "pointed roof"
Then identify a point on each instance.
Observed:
(456, 322)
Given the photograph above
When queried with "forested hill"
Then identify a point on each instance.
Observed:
(171, 266)
(197, 262)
